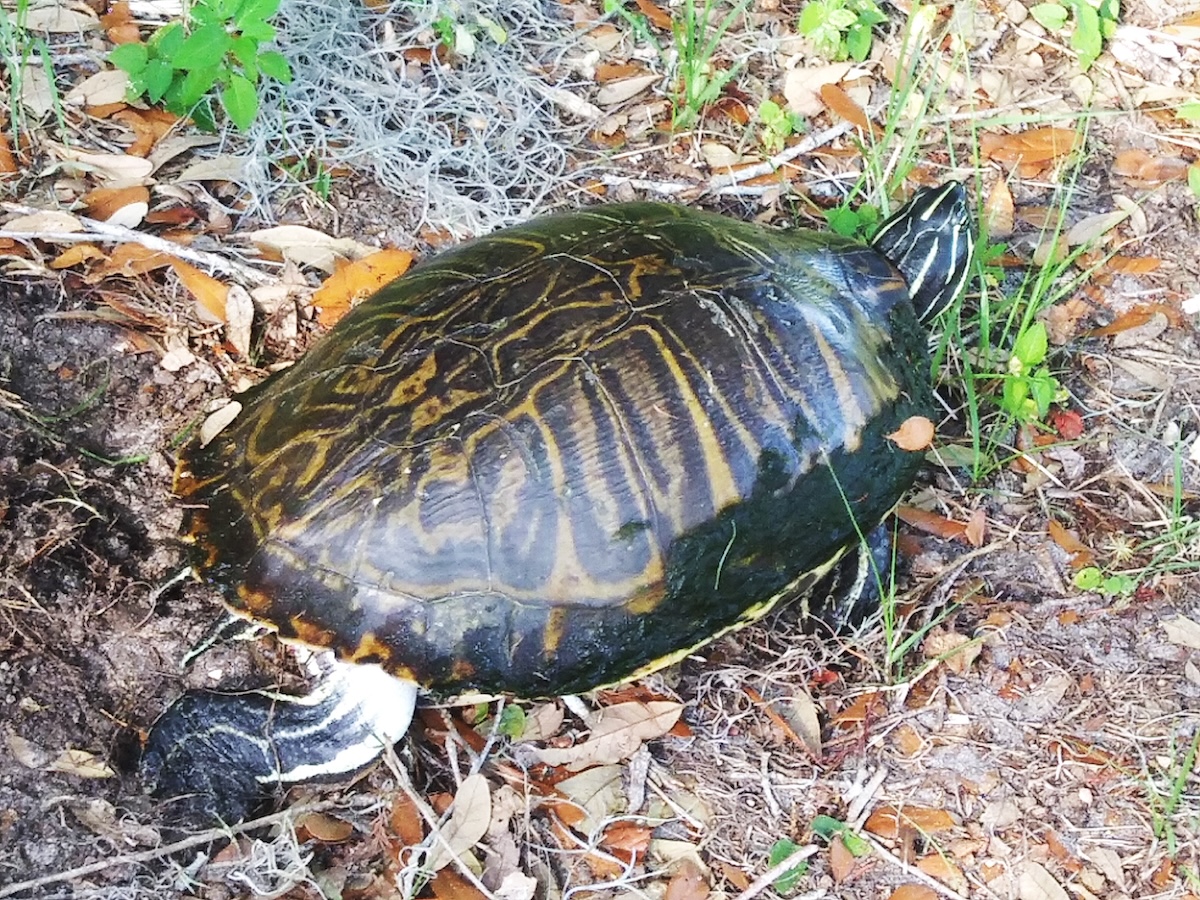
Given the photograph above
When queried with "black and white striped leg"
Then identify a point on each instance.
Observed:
(223, 754)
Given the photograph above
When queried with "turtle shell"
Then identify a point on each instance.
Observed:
(569, 452)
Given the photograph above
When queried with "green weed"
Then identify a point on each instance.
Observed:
(1164, 804)
(840, 29)
(1091, 24)
(829, 828)
(219, 48)
(20, 49)
(778, 124)
(697, 39)
(786, 884)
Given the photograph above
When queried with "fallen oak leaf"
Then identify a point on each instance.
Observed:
(468, 823)
(209, 293)
(357, 280)
(888, 821)
(617, 732)
(914, 434)
(1081, 554)
(932, 523)
(81, 764)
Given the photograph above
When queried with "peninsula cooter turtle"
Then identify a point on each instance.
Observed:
(553, 458)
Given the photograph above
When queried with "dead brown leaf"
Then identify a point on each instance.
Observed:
(617, 732)
(81, 764)
(1081, 554)
(1036, 883)
(355, 281)
(976, 530)
(627, 840)
(128, 260)
(449, 885)
(125, 206)
(841, 860)
(914, 434)
(840, 103)
(76, 254)
(863, 707)
(913, 891)
(932, 523)
(888, 821)
(1038, 145)
(407, 823)
(999, 211)
(689, 883)
(468, 822)
(209, 293)
(956, 651)
(324, 827)
(1143, 169)
(658, 16)
(935, 865)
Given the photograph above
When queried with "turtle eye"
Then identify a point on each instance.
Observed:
(930, 241)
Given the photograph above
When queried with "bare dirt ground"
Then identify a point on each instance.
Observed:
(1036, 740)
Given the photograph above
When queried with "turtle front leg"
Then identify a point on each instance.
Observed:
(852, 589)
(222, 754)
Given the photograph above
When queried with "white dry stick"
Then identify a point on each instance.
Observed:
(103, 230)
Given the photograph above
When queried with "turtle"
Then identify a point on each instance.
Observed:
(554, 458)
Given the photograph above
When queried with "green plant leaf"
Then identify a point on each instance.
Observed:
(827, 826)
(1051, 16)
(789, 880)
(194, 85)
(157, 78)
(1032, 345)
(855, 843)
(1086, 39)
(1089, 578)
(1110, 15)
(166, 41)
(274, 65)
(240, 101)
(512, 721)
(1189, 112)
(841, 19)
(858, 41)
(245, 51)
(1194, 180)
(131, 58)
(202, 50)
(1119, 585)
(254, 11)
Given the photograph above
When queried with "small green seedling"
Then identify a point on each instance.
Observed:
(219, 48)
(461, 36)
(1091, 578)
(512, 721)
(829, 828)
(858, 222)
(840, 29)
(1194, 180)
(786, 883)
(1029, 386)
(1092, 23)
(778, 124)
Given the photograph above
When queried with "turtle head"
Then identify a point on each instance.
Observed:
(930, 239)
